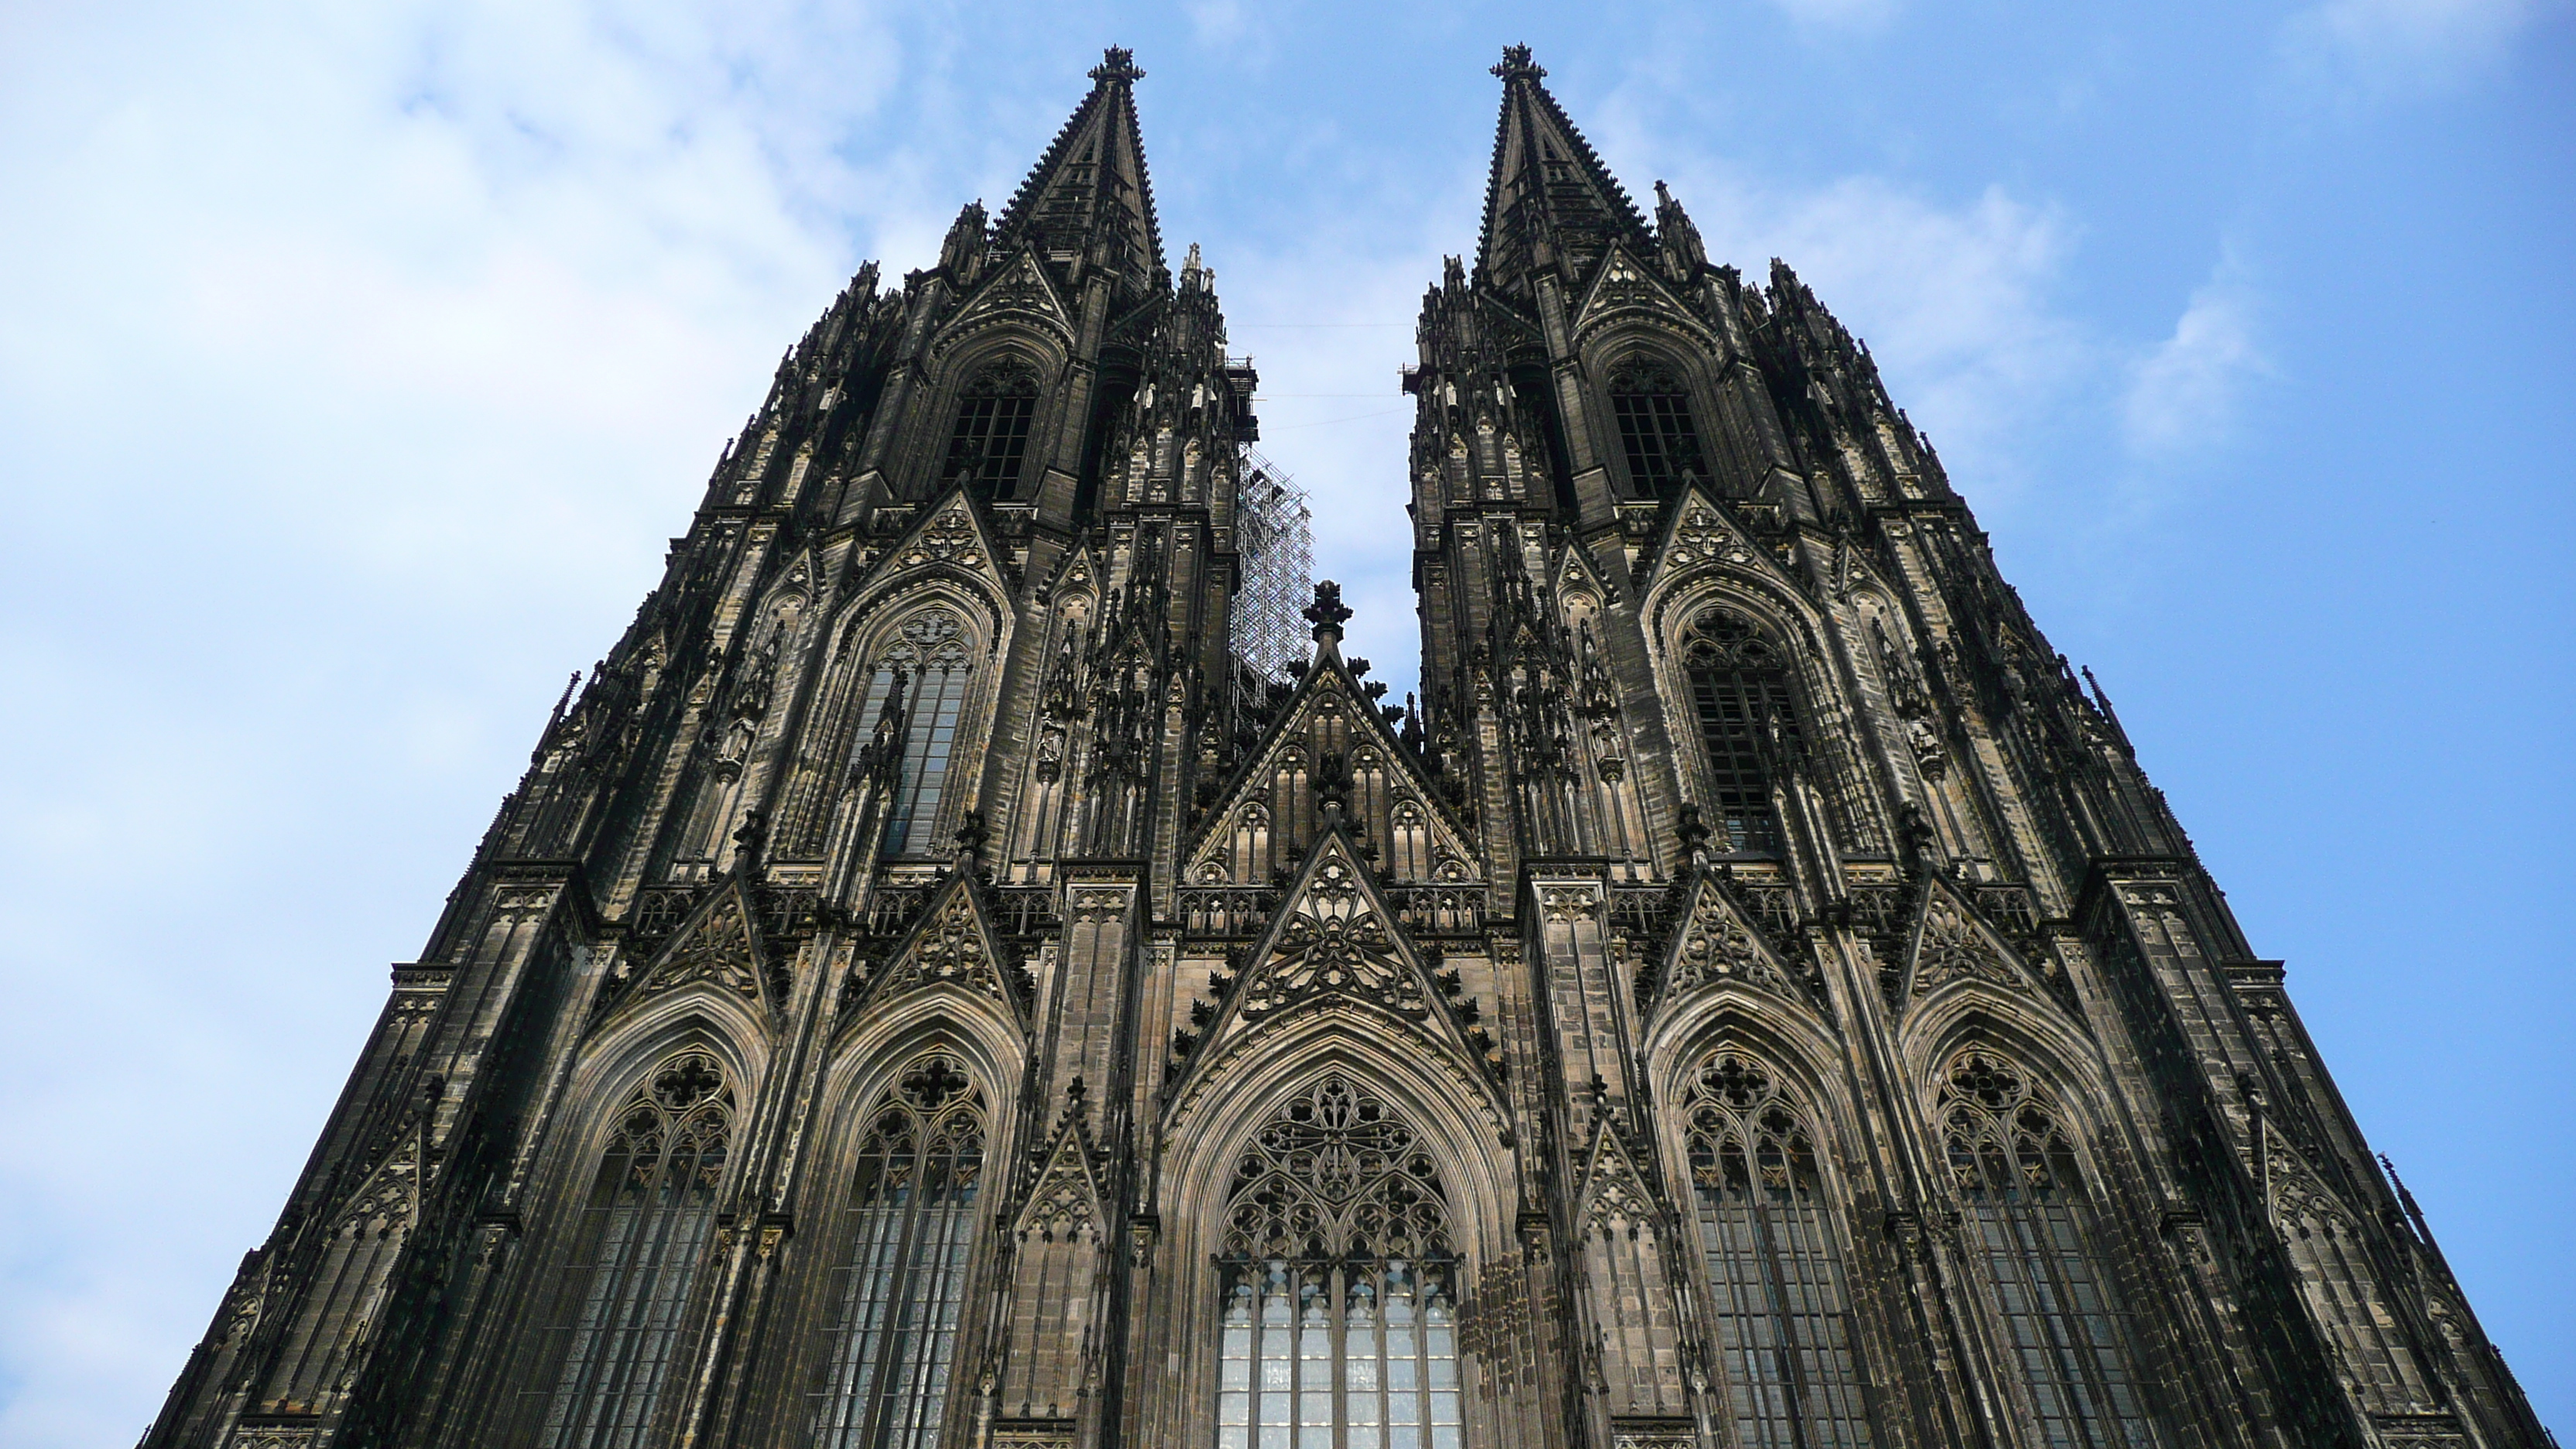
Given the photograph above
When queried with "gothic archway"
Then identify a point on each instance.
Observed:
(1339, 1289)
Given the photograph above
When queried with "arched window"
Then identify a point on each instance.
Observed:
(1741, 694)
(930, 652)
(1652, 405)
(636, 1249)
(1339, 1286)
(1783, 1312)
(901, 1281)
(2017, 1174)
(991, 437)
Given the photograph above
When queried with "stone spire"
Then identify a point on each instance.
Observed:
(1089, 197)
(1549, 201)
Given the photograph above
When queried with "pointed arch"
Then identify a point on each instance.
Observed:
(1728, 573)
(891, 1212)
(904, 1238)
(1338, 1282)
(2032, 1227)
(1656, 417)
(946, 630)
(633, 1230)
(1773, 1253)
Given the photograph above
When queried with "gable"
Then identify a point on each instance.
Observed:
(1336, 944)
(1330, 736)
(1953, 942)
(1626, 287)
(1699, 531)
(715, 949)
(953, 944)
(1714, 941)
(1016, 291)
(950, 536)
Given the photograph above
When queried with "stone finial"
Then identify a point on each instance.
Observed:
(1327, 613)
(1517, 62)
(1117, 63)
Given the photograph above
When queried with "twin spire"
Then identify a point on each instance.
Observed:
(1549, 198)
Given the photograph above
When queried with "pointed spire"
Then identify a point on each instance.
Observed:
(1683, 250)
(1548, 200)
(1089, 196)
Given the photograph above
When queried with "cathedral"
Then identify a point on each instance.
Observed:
(933, 990)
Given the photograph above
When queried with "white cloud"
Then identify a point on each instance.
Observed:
(2403, 46)
(2184, 395)
(1954, 299)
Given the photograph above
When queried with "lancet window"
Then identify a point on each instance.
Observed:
(1339, 1309)
(1746, 723)
(1652, 406)
(1793, 1378)
(2029, 1220)
(990, 440)
(930, 653)
(901, 1280)
(638, 1243)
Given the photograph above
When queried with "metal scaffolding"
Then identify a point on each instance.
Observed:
(1276, 533)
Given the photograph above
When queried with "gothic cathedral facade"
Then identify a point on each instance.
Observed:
(927, 993)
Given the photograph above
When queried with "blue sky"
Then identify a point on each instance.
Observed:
(357, 360)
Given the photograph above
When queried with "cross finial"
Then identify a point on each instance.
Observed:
(1517, 62)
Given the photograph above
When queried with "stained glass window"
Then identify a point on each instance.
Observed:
(636, 1250)
(2029, 1220)
(901, 1282)
(1783, 1312)
(1339, 1327)
(990, 440)
(1741, 694)
(1652, 406)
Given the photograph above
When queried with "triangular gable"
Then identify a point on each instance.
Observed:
(1715, 941)
(1018, 288)
(1066, 1202)
(1614, 1189)
(1079, 569)
(1952, 942)
(715, 948)
(950, 533)
(1247, 796)
(1699, 530)
(388, 1197)
(1575, 571)
(1334, 938)
(1627, 286)
(953, 943)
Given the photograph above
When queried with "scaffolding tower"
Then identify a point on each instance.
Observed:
(1276, 534)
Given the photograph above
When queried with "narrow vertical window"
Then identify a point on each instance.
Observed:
(990, 441)
(901, 1282)
(1741, 695)
(930, 649)
(636, 1250)
(2029, 1222)
(1338, 1326)
(1652, 407)
(1783, 1311)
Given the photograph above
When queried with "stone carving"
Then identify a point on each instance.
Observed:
(717, 951)
(1951, 948)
